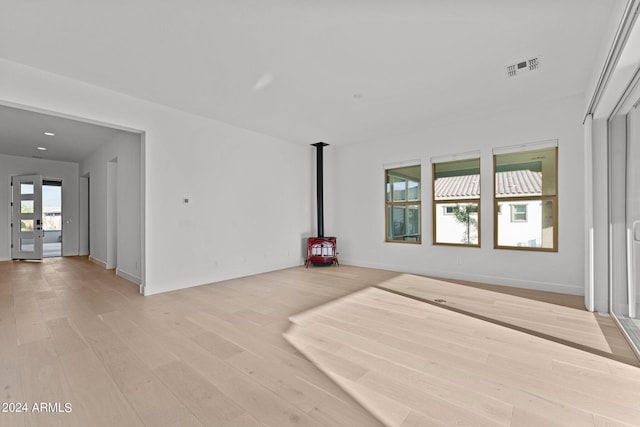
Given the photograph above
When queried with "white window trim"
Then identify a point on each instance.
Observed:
(454, 157)
(396, 165)
(529, 146)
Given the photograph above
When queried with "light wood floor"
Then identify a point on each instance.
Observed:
(207, 356)
(557, 317)
(416, 364)
(211, 355)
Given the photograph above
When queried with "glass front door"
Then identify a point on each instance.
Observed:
(26, 217)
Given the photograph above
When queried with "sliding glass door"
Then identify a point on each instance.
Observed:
(624, 217)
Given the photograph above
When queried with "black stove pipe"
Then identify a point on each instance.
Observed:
(319, 188)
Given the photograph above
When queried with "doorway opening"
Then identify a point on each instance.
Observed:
(104, 195)
(52, 223)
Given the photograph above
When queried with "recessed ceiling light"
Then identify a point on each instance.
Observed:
(42, 148)
(49, 133)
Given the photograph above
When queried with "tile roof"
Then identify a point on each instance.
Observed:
(519, 183)
(509, 184)
(458, 187)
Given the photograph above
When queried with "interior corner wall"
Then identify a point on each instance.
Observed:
(49, 169)
(126, 147)
(360, 199)
(248, 192)
(83, 220)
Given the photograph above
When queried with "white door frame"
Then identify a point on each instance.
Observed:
(633, 206)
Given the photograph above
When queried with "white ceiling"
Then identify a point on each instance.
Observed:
(303, 70)
(22, 132)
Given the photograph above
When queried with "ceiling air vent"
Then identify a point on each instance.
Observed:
(523, 66)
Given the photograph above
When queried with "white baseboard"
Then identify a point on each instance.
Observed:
(127, 276)
(119, 272)
(98, 261)
(480, 278)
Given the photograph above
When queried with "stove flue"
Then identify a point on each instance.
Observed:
(321, 250)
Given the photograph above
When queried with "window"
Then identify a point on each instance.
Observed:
(526, 185)
(456, 202)
(518, 213)
(403, 205)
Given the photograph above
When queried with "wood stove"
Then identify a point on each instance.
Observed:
(321, 250)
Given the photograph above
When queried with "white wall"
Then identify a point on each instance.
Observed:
(249, 192)
(49, 169)
(116, 244)
(359, 200)
(611, 23)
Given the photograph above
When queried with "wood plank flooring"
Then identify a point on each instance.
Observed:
(416, 364)
(558, 317)
(213, 355)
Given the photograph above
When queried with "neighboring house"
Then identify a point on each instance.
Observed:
(519, 219)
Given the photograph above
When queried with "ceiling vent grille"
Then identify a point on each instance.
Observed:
(523, 66)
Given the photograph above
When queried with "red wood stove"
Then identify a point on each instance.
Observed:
(321, 250)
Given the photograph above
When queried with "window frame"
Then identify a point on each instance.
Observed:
(465, 200)
(542, 198)
(391, 203)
